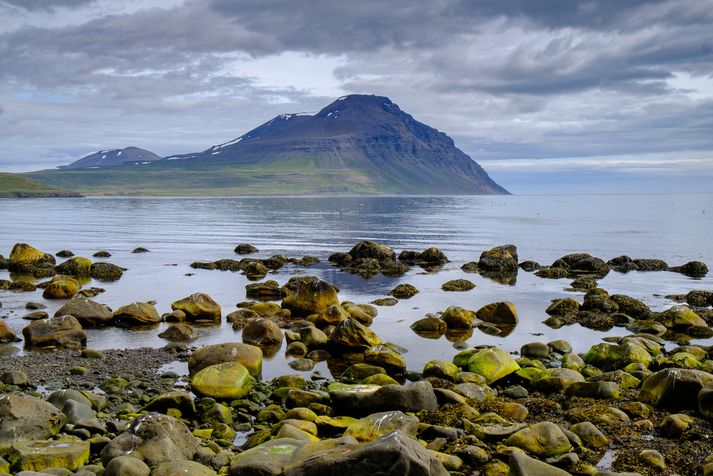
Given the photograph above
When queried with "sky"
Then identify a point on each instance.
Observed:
(547, 95)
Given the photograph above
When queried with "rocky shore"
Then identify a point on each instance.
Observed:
(641, 403)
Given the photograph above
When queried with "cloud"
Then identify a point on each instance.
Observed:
(44, 5)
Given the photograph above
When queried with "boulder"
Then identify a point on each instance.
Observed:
(106, 271)
(432, 257)
(256, 270)
(77, 409)
(154, 439)
(370, 249)
(582, 263)
(39, 455)
(498, 313)
(429, 327)
(694, 269)
(127, 466)
(76, 266)
(262, 332)
(674, 388)
(245, 249)
(631, 307)
(458, 285)
(175, 468)
(404, 291)
(681, 317)
(493, 364)
(523, 465)
(229, 380)
(499, 259)
(26, 418)
(705, 401)
(351, 334)
(58, 331)
(61, 287)
(590, 435)
(179, 332)
(458, 318)
(379, 424)
(26, 259)
(89, 313)
(617, 356)
(137, 314)
(176, 401)
(198, 307)
(249, 356)
(544, 439)
(357, 400)
(562, 307)
(6, 334)
(311, 297)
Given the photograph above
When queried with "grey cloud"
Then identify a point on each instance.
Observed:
(44, 5)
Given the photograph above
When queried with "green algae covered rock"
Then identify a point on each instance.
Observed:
(230, 380)
(45, 454)
(198, 307)
(493, 364)
(498, 313)
(61, 287)
(137, 313)
(311, 297)
(617, 356)
(22, 416)
(674, 388)
(77, 266)
(458, 318)
(378, 424)
(441, 369)
(543, 439)
(351, 334)
(27, 259)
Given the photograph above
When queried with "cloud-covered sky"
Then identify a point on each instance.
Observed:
(563, 92)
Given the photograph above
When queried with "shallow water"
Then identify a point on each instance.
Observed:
(178, 231)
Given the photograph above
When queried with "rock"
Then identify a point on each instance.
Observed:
(393, 454)
(385, 301)
(385, 357)
(458, 285)
(535, 350)
(6, 334)
(552, 273)
(694, 269)
(544, 439)
(127, 466)
(262, 332)
(249, 356)
(555, 380)
(674, 426)
(229, 380)
(58, 331)
(617, 356)
(179, 332)
(430, 327)
(441, 369)
(705, 401)
(198, 307)
(583, 283)
(590, 435)
(61, 287)
(154, 439)
(175, 401)
(529, 266)
(379, 424)
(370, 249)
(175, 468)
(351, 334)
(64, 254)
(493, 364)
(106, 271)
(523, 465)
(604, 390)
(39, 455)
(674, 388)
(311, 297)
(76, 266)
(500, 259)
(35, 315)
(89, 313)
(267, 291)
(582, 263)
(681, 317)
(245, 249)
(498, 313)
(102, 254)
(432, 257)
(562, 307)
(26, 418)
(26, 259)
(653, 459)
(404, 291)
(137, 314)
(458, 318)
(255, 270)
(78, 410)
(14, 377)
(631, 307)
(356, 400)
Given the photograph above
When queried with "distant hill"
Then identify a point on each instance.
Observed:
(15, 186)
(360, 144)
(114, 157)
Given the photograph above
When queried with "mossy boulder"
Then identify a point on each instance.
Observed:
(441, 369)
(311, 297)
(582, 263)
(500, 259)
(249, 356)
(429, 327)
(631, 307)
(378, 424)
(705, 401)
(77, 266)
(556, 380)
(27, 259)
(681, 317)
(544, 439)
(386, 358)
(58, 331)
(61, 287)
(458, 285)
(26, 417)
(6, 334)
(458, 318)
(198, 307)
(373, 250)
(617, 356)
(137, 314)
(179, 332)
(404, 291)
(552, 273)
(245, 249)
(351, 334)
(498, 313)
(562, 307)
(230, 380)
(493, 364)
(45, 454)
(674, 388)
(262, 332)
(693, 269)
(106, 271)
(255, 270)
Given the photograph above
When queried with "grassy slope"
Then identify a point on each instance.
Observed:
(18, 186)
(293, 177)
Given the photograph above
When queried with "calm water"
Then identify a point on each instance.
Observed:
(676, 228)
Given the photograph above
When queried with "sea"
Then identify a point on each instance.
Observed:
(178, 231)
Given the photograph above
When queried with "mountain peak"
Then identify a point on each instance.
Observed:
(114, 157)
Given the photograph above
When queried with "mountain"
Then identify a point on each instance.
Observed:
(366, 132)
(359, 144)
(114, 157)
(15, 186)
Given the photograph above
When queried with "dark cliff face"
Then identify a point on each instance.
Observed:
(114, 157)
(368, 133)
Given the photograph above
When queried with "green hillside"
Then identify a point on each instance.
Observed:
(18, 186)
